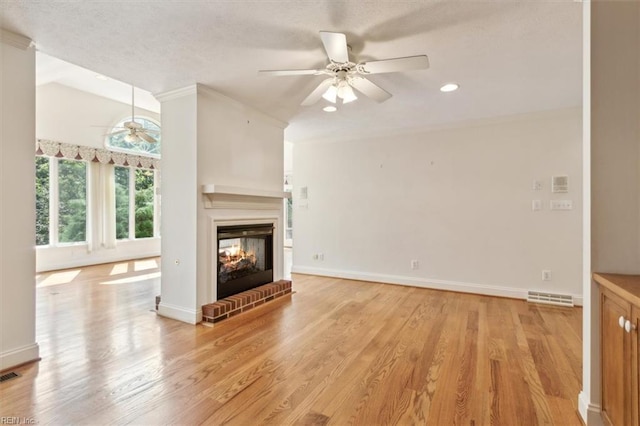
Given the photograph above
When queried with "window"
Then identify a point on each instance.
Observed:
(117, 142)
(61, 198)
(142, 212)
(63, 211)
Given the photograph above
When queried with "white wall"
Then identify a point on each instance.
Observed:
(237, 146)
(614, 47)
(17, 198)
(68, 115)
(457, 200)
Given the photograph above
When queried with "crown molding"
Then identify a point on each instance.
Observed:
(176, 93)
(206, 90)
(16, 40)
(201, 89)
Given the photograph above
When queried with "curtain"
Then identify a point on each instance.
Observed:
(102, 207)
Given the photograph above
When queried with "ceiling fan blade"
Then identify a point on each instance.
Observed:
(146, 137)
(291, 72)
(369, 89)
(336, 46)
(117, 132)
(393, 65)
(318, 92)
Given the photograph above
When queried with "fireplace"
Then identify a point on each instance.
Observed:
(245, 258)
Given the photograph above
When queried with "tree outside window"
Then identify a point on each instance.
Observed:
(122, 202)
(144, 203)
(72, 201)
(42, 201)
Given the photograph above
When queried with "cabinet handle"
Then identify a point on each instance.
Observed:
(628, 326)
(621, 321)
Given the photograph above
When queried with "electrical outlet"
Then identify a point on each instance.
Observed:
(415, 264)
(546, 275)
(321, 256)
(315, 257)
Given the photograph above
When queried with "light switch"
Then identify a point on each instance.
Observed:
(536, 185)
(536, 205)
(561, 205)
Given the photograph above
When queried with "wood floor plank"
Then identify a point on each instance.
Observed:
(335, 352)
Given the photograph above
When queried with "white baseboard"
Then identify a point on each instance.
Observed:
(590, 413)
(19, 356)
(179, 313)
(435, 284)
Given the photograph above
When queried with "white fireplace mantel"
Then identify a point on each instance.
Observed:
(225, 196)
(236, 190)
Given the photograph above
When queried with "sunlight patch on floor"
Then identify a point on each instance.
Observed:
(57, 278)
(132, 279)
(120, 268)
(143, 265)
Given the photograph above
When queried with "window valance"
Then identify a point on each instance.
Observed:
(79, 152)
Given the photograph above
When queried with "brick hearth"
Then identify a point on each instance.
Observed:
(241, 302)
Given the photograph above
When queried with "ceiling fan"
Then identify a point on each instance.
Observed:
(135, 131)
(344, 75)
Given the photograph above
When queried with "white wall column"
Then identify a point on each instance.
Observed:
(17, 198)
(615, 168)
(179, 205)
(207, 138)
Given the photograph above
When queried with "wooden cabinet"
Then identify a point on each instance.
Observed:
(619, 322)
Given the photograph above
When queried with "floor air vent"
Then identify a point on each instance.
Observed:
(550, 298)
(8, 376)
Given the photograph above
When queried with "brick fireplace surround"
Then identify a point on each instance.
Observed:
(242, 302)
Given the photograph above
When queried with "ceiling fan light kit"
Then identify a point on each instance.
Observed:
(344, 76)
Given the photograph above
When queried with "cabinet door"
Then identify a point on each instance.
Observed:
(635, 370)
(616, 360)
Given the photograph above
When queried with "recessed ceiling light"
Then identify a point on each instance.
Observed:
(102, 77)
(449, 87)
(329, 109)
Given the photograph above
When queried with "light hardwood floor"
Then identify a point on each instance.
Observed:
(335, 352)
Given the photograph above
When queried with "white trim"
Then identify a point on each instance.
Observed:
(179, 313)
(432, 128)
(205, 90)
(16, 40)
(19, 356)
(236, 190)
(591, 413)
(52, 258)
(436, 284)
(176, 93)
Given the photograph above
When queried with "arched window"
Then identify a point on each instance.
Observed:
(116, 141)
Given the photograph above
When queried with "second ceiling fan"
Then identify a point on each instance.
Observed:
(344, 75)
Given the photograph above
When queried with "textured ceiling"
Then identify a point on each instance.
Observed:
(508, 57)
